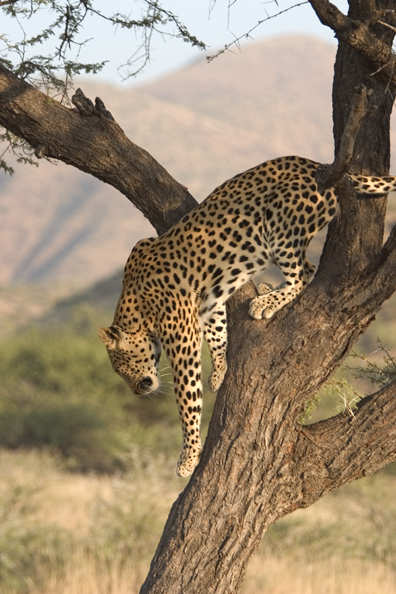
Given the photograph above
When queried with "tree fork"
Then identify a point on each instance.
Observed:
(257, 464)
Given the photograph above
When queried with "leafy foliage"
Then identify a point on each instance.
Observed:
(66, 21)
(338, 395)
(77, 431)
(49, 56)
(21, 151)
(377, 373)
(58, 392)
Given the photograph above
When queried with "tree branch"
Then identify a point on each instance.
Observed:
(94, 144)
(357, 34)
(344, 448)
(328, 176)
(249, 473)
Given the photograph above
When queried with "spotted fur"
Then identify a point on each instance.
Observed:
(175, 286)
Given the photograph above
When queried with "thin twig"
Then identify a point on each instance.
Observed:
(387, 25)
(247, 35)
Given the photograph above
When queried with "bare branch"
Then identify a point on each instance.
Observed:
(328, 176)
(248, 34)
(387, 25)
(346, 447)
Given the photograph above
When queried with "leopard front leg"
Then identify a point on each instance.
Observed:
(188, 390)
(215, 334)
(184, 354)
(309, 268)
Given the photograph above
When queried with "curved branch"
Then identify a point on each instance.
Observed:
(92, 142)
(344, 448)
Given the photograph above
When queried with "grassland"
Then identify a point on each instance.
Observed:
(74, 533)
(87, 480)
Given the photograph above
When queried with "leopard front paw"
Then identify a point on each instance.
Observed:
(216, 377)
(258, 309)
(188, 461)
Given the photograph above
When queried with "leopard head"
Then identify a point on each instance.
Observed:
(134, 355)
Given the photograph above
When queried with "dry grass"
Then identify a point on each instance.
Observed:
(271, 575)
(86, 575)
(65, 533)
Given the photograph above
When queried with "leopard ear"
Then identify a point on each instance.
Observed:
(111, 337)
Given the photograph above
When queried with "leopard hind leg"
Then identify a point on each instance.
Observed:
(297, 271)
(215, 334)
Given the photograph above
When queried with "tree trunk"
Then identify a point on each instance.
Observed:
(258, 464)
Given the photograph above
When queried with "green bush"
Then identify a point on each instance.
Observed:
(76, 431)
(59, 391)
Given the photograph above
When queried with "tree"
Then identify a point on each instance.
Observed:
(258, 464)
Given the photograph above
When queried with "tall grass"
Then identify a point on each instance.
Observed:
(120, 519)
(67, 533)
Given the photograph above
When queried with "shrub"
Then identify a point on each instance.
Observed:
(76, 431)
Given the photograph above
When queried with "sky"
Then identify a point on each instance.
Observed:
(216, 22)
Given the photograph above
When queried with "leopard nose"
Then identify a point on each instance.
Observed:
(145, 385)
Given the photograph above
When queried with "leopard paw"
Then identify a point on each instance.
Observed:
(187, 462)
(216, 378)
(264, 288)
(258, 309)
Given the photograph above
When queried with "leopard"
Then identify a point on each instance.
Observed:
(175, 286)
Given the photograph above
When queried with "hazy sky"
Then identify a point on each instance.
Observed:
(216, 22)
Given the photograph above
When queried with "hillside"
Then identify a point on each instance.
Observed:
(204, 124)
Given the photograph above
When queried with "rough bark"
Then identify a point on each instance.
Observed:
(258, 463)
(356, 30)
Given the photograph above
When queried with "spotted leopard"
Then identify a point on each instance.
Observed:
(175, 286)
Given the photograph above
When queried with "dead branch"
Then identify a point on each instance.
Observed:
(328, 176)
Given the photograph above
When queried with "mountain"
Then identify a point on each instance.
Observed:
(204, 124)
